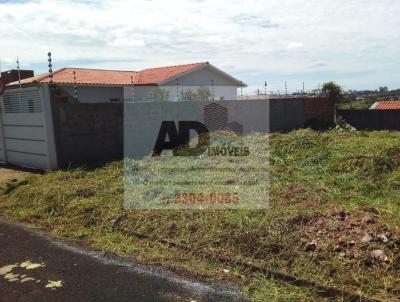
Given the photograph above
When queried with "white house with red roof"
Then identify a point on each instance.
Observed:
(98, 86)
(26, 122)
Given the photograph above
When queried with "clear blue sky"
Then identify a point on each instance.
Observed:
(354, 42)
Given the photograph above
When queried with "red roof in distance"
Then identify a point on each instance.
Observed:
(386, 105)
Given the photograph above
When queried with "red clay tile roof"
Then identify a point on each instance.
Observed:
(386, 105)
(152, 76)
(157, 75)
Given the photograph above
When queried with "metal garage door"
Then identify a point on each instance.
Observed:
(24, 128)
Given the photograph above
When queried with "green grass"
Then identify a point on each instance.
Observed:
(357, 105)
(231, 175)
(314, 178)
(263, 289)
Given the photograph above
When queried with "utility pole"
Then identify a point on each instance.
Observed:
(286, 88)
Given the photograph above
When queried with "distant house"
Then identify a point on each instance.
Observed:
(386, 105)
(100, 86)
(12, 75)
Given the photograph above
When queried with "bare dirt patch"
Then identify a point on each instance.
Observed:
(394, 154)
(296, 194)
(355, 235)
(9, 175)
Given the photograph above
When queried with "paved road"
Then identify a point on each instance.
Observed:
(34, 267)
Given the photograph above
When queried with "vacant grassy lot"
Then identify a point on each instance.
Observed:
(331, 231)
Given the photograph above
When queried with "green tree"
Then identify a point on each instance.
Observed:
(383, 89)
(158, 94)
(188, 95)
(333, 91)
(202, 94)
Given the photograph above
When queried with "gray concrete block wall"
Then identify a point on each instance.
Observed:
(372, 119)
(286, 115)
(87, 132)
(94, 132)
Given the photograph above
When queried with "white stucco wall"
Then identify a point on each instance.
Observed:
(220, 92)
(96, 94)
(140, 92)
(220, 85)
